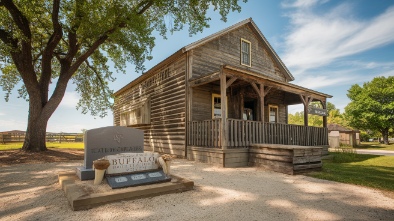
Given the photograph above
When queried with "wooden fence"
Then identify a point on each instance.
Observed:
(242, 133)
(50, 137)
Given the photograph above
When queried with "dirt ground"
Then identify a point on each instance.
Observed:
(29, 190)
(11, 157)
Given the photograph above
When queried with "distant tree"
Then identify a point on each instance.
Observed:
(314, 120)
(44, 41)
(335, 116)
(297, 118)
(372, 106)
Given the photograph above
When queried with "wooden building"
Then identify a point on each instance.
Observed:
(341, 135)
(235, 73)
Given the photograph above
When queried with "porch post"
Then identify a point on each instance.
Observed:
(324, 103)
(223, 102)
(306, 100)
(262, 96)
(241, 106)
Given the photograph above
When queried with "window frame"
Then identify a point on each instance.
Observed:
(276, 113)
(250, 53)
(140, 115)
(213, 107)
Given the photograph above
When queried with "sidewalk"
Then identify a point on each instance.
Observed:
(376, 152)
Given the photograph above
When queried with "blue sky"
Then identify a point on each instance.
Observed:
(327, 45)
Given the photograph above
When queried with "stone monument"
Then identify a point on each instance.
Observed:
(111, 140)
(134, 169)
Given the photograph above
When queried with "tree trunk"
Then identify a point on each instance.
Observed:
(35, 136)
(36, 128)
(385, 134)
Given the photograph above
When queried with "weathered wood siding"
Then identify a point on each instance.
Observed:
(226, 50)
(202, 102)
(167, 93)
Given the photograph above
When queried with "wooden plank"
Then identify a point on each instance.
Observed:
(307, 166)
(271, 151)
(271, 157)
(306, 159)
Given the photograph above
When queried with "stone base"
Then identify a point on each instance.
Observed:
(80, 198)
(85, 174)
(138, 179)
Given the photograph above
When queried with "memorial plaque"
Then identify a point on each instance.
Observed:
(137, 179)
(131, 162)
(104, 141)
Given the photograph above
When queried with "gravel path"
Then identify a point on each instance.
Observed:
(31, 192)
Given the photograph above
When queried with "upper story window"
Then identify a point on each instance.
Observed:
(246, 53)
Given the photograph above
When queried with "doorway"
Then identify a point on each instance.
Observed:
(249, 112)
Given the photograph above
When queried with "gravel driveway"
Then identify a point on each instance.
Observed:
(31, 192)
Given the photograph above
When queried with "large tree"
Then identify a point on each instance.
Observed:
(57, 41)
(372, 106)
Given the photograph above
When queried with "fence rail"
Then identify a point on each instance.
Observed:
(50, 137)
(242, 133)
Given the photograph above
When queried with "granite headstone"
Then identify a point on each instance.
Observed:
(104, 141)
(131, 162)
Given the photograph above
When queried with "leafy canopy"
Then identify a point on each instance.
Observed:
(55, 41)
(372, 105)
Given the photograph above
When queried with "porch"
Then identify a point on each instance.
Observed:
(243, 133)
(233, 110)
(284, 148)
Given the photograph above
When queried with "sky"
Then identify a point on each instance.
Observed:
(328, 45)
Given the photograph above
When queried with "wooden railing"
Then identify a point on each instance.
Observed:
(205, 133)
(242, 133)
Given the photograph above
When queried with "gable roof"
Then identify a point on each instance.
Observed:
(257, 31)
(209, 38)
(340, 128)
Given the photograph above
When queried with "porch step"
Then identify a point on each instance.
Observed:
(288, 159)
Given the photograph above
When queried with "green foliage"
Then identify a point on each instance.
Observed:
(334, 116)
(55, 41)
(365, 170)
(372, 105)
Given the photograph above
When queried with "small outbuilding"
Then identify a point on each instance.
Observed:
(341, 135)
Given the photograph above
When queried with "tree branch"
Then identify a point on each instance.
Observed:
(96, 72)
(17, 16)
(7, 38)
(145, 6)
(47, 55)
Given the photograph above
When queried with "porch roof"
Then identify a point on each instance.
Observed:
(251, 76)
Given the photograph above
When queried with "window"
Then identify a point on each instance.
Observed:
(216, 106)
(273, 113)
(140, 115)
(245, 52)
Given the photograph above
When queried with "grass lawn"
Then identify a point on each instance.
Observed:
(375, 146)
(14, 146)
(365, 170)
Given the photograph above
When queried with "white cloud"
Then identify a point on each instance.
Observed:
(2, 114)
(70, 99)
(386, 74)
(7, 125)
(316, 40)
(315, 82)
(302, 3)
